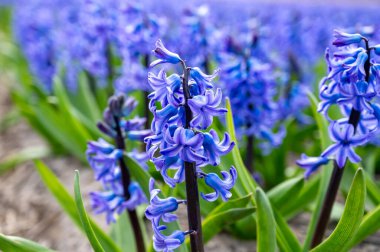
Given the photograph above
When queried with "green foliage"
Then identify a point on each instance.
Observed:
(244, 179)
(84, 218)
(369, 225)
(17, 244)
(351, 218)
(122, 234)
(30, 153)
(325, 172)
(68, 204)
(266, 226)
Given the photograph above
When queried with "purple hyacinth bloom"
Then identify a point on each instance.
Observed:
(311, 164)
(168, 114)
(137, 196)
(345, 138)
(164, 55)
(376, 49)
(166, 89)
(205, 107)
(165, 164)
(214, 148)
(184, 142)
(112, 202)
(138, 135)
(344, 39)
(107, 202)
(221, 187)
(358, 94)
(103, 158)
(166, 243)
(136, 123)
(161, 208)
(203, 81)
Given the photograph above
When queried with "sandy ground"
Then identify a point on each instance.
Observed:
(28, 210)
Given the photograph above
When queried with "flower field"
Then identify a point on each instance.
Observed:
(141, 126)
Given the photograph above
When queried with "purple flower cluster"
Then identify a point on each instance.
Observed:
(107, 160)
(351, 84)
(136, 29)
(252, 88)
(179, 139)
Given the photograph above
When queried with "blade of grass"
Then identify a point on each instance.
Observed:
(84, 218)
(67, 203)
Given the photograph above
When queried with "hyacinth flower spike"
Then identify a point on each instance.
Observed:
(187, 107)
(350, 84)
(120, 193)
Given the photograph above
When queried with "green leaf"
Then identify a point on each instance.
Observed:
(325, 172)
(67, 203)
(138, 173)
(244, 178)
(215, 223)
(370, 224)
(279, 196)
(122, 233)
(286, 239)
(83, 216)
(22, 156)
(9, 119)
(87, 100)
(351, 218)
(66, 108)
(266, 226)
(235, 203)
(303, 199)
(17, 244)
(63, 133)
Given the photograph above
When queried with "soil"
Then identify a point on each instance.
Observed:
(28, 210)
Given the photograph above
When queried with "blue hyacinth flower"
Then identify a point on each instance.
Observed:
(214, 148)
(205, 107)
(311, 164)
(164, 55)
(345, 140)
(161, 208)
(166, 243)
(112, 202)
(185, 143)
(222, 187)
(344, 39)
(103, 158)
(203, 81)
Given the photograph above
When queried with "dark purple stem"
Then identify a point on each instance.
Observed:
(249, 154)
(337, 174)
(126, 180)
(193, 207)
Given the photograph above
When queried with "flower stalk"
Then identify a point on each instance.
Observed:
(192, 194)
(126, 181)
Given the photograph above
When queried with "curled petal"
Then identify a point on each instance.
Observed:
(164, 55)
(221, 187)
(160, 208)
(344, 39)
(311, 164)
(213, 148)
